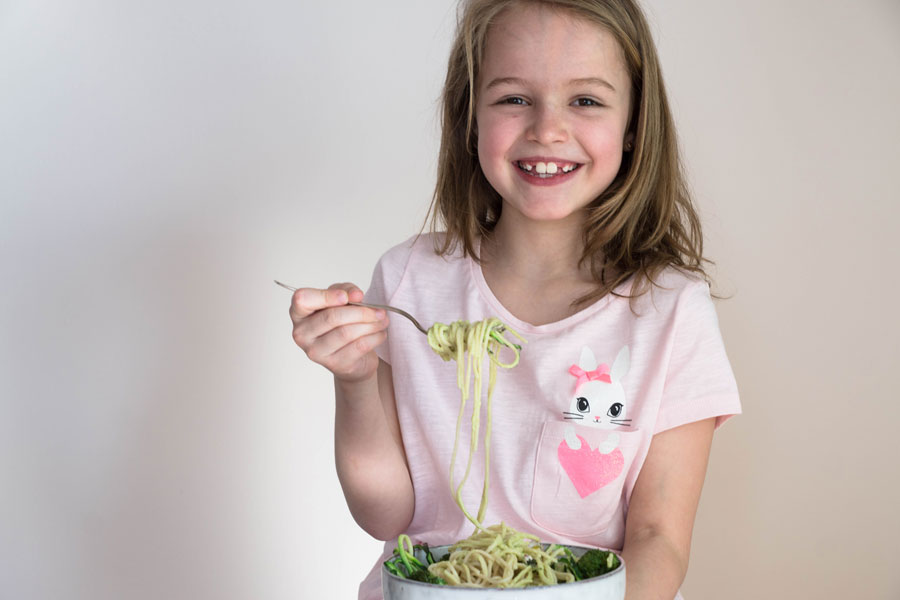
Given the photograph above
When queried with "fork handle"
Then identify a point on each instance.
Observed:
(392, 309)
(367, 305)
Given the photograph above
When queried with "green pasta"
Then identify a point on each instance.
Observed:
(467, 344)
(497, 556)
(501, 557)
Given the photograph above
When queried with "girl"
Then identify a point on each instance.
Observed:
(565, 214)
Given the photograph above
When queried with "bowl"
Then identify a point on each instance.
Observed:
(609, 586)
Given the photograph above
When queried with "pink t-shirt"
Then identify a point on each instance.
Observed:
(571, 423)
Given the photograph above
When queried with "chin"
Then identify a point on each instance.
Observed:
(552, 214)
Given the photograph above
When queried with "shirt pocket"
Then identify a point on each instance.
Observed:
(579, 476)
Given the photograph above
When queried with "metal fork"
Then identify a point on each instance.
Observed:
(381, 306)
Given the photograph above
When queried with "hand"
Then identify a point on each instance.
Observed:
(339, 337)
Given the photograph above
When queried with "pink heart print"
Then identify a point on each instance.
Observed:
(589, 469)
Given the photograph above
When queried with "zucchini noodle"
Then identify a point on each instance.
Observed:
(472, 341)
(496, 556)
(501, 557)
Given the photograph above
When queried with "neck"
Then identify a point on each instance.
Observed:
(532, 268)
(537, 250)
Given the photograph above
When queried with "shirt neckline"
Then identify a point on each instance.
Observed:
(477, 276)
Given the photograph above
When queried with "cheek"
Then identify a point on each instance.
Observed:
(494, 142)
(602, 138)
(495, 137)
(610, 140)
(607, 151)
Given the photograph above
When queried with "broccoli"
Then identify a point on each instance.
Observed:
(596, 562)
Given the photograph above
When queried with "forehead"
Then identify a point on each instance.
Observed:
(549, 43)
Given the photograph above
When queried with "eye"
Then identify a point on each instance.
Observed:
(583, 405)
(515, 100)
(587, 102)
(615, 410)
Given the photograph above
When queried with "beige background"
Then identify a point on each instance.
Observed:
(161, 163)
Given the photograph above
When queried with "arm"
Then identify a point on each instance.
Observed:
(661, 512)
(371, 462)
(369, 455)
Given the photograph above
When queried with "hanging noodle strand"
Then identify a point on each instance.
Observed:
(496, 556)
(468, 344)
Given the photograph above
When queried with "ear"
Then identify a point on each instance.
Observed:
(628, 143)
(622, 364)
(587, 360)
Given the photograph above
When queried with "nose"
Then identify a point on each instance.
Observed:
(548, 125)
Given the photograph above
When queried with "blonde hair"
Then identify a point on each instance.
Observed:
(641, 224)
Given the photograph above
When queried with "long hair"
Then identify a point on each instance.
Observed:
(641, 224)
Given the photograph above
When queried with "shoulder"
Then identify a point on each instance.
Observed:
(699, 382)
(418, 248)
(674, 291)
(414, 261)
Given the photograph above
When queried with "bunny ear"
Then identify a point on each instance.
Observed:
(622, 364)
(587, 360)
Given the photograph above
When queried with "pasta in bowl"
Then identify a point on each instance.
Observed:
(546, 580)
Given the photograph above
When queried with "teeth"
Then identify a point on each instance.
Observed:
(547, 168)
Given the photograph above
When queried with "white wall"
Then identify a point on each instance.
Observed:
(161, 163)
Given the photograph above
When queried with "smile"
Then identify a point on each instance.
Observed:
(547, 169)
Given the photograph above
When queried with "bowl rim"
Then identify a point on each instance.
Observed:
(544, 545)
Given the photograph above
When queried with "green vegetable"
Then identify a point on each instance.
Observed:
(570, 563)
(404, 563)
(596, 562)
(425, 576)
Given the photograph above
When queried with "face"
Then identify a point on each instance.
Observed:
(599, 404)
(552, 111)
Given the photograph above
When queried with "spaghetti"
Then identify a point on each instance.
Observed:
(473, 341)
(501, 557)
(497, 556)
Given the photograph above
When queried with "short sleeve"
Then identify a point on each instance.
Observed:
(386, 278)
(699, 383)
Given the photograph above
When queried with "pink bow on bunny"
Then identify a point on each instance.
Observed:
(601, 373)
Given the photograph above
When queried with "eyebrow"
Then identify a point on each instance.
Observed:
(581, 81)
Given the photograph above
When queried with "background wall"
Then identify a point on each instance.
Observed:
(161, 163)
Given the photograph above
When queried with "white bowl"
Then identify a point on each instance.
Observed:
(609, 586)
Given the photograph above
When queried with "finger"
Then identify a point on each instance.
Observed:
(353, 292)
(323, 321)
(307, 301)
(320, 348)
(357, 357)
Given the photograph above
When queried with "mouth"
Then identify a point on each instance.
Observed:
(546, 169)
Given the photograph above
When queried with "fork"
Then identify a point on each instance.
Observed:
(381, 306)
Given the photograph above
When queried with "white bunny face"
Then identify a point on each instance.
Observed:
(599, 398)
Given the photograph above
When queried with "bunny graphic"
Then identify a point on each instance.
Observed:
(599, 402)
